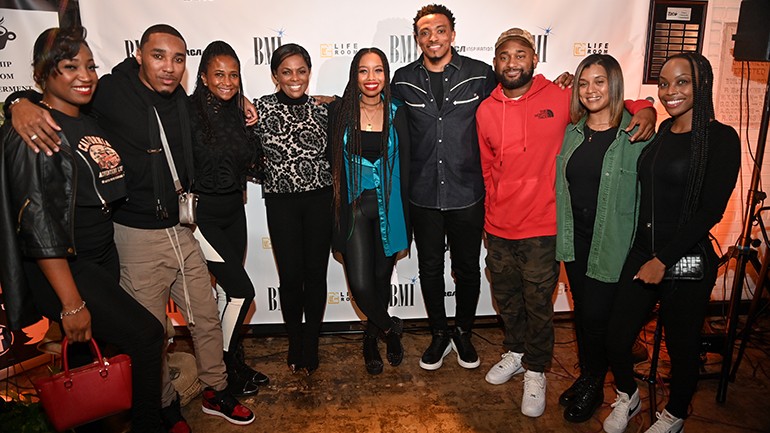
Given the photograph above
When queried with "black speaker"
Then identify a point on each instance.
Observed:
(752, 39)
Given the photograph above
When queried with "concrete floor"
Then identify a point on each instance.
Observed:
(341, 397)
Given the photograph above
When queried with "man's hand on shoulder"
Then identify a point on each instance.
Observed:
(645, 119)
(564, 80)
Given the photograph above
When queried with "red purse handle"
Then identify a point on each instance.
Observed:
(94, 347)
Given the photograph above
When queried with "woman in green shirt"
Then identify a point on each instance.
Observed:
(596, 204)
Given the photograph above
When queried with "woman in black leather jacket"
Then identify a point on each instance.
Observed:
(55, 218)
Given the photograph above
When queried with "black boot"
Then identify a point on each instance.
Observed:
(568, 396)
(257, 378)
(585, 404)
(395, 353)
(238, 384)
(372, 358)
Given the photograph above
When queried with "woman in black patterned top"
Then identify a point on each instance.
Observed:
(223, 151)
(298, 197)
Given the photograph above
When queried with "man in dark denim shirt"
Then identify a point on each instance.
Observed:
(442, 90)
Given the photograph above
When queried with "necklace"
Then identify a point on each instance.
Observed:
(370, 104)
(46, 104)
(368, 118)
(593, 131)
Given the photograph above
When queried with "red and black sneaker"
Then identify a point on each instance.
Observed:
(222, 403)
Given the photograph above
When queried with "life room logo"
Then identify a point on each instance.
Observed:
(582, 49)
(334, 298)
(341, 49)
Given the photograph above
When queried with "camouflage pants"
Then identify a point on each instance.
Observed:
(523, 274)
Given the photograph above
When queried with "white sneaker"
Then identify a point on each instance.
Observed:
(624, 409)
(533, 399)
(505, 369)
(666, 423)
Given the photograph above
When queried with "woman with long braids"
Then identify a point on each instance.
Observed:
(686, 176)
(369, 153)
(223, 151)
(595, 204)
(298, 199)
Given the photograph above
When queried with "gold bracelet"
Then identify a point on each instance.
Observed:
(63, 314)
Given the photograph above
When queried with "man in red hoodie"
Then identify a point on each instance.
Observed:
(521, 128)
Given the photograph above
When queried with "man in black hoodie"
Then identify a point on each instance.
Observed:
(159, 257)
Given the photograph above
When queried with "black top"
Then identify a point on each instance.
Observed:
(286, 100)
(584, 173)
(663, 170)
(445, 163)
(437, 87)
(370, 145)
(100, 176)
(121, 107)
(222, 159)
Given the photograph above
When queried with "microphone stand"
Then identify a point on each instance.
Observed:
(743, 253)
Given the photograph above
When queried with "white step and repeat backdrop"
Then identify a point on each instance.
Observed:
(332, 32)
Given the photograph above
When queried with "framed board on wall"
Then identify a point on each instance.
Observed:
(675, 27)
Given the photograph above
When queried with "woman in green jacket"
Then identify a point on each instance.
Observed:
(596, 205)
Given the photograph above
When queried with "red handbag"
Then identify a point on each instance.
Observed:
(88, 393)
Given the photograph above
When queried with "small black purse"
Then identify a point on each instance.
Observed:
(689, 268)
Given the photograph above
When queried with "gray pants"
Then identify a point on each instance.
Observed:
(156, 264)
(523, 274)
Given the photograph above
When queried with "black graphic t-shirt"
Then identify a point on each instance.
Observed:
(100, 183)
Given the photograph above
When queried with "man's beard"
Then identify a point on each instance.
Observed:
(511, 84)
(436, 59)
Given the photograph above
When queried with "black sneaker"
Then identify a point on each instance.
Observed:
(173, 421)
(440, 346)
(466, 353)
(223, 404)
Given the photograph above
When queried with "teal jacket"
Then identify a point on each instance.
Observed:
(617, 206)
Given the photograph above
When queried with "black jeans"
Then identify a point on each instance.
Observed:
(116, 319)
(367, 268)
(461, 229)
(300, 228)
(682, 310)
(593, 300)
